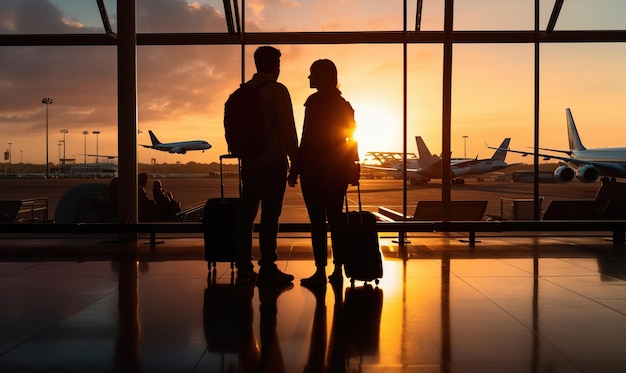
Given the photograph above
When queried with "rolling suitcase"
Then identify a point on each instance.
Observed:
(219, 222)
(359, 245)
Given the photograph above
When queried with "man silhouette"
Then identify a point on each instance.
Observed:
(264, 177)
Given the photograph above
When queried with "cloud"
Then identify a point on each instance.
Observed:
(174, 82)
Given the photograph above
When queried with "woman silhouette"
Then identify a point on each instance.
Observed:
(327, 162)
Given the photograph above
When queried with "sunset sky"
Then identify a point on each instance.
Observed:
(182, 89)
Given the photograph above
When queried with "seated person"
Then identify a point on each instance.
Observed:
(112, 192)
(165, 202)
(147, 207)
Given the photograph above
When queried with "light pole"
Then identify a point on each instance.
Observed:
(59, 145)
(85, 149)
(64, 132)
(47, 101)
(97, 166)
(465, 146)
(10, 143)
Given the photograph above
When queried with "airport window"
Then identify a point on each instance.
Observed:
(189, 58)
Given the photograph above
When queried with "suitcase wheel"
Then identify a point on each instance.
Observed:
(376, 281)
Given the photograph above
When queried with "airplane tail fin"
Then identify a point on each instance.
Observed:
(572, 133)
(154, 139)
(502, 150)
(425, 156)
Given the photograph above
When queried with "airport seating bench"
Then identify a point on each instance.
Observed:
(470, 222)
(29, 209)
(460, 211)
(608, 203)
(585, 209)
(431, 211)
(617, 227)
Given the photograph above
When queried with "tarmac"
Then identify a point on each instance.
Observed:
(521, 303)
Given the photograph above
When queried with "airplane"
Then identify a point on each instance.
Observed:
(180, 147)
(584, 164)
(428, 166)
(100, 156)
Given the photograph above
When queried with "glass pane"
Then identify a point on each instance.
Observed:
(424, 104)
(327, 15)
(590, 83)
(53, 17)
(586, 15)
(432, 15)
(492, 100)
(181, 95)
(180, 16)
(493, 15)
(81, 83)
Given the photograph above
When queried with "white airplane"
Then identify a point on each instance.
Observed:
(180, 147)
(428, 166)
(584, 164)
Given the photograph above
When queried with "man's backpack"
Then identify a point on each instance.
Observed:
(246, 133)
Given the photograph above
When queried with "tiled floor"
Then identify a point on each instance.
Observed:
(511, 305)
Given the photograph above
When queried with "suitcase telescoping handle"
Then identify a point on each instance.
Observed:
(358, 189)
(229, 156)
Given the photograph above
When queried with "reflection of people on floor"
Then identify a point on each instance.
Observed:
(165, 201)
(147, 207)
(227, 319)
(271, 355)
(355, 330)
(317, 350)
(127, 347)
(362, 309)
(336, 360)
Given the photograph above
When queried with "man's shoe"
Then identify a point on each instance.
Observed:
(245, 276)
(273, 275)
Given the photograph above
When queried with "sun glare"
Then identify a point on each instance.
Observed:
(378, 129)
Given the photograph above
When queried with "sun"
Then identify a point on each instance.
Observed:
(378, 129)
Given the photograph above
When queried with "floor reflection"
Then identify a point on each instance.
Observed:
(227, 321)
(524, 313)
(127, 358)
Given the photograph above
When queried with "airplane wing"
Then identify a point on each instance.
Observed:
(609, 167)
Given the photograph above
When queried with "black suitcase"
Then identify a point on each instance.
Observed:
(359, 245)
(219, 222)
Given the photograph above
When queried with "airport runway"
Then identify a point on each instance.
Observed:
(374, 193)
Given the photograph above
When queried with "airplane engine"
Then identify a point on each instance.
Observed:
(178, 150)
(587, 174)
(564, 173)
